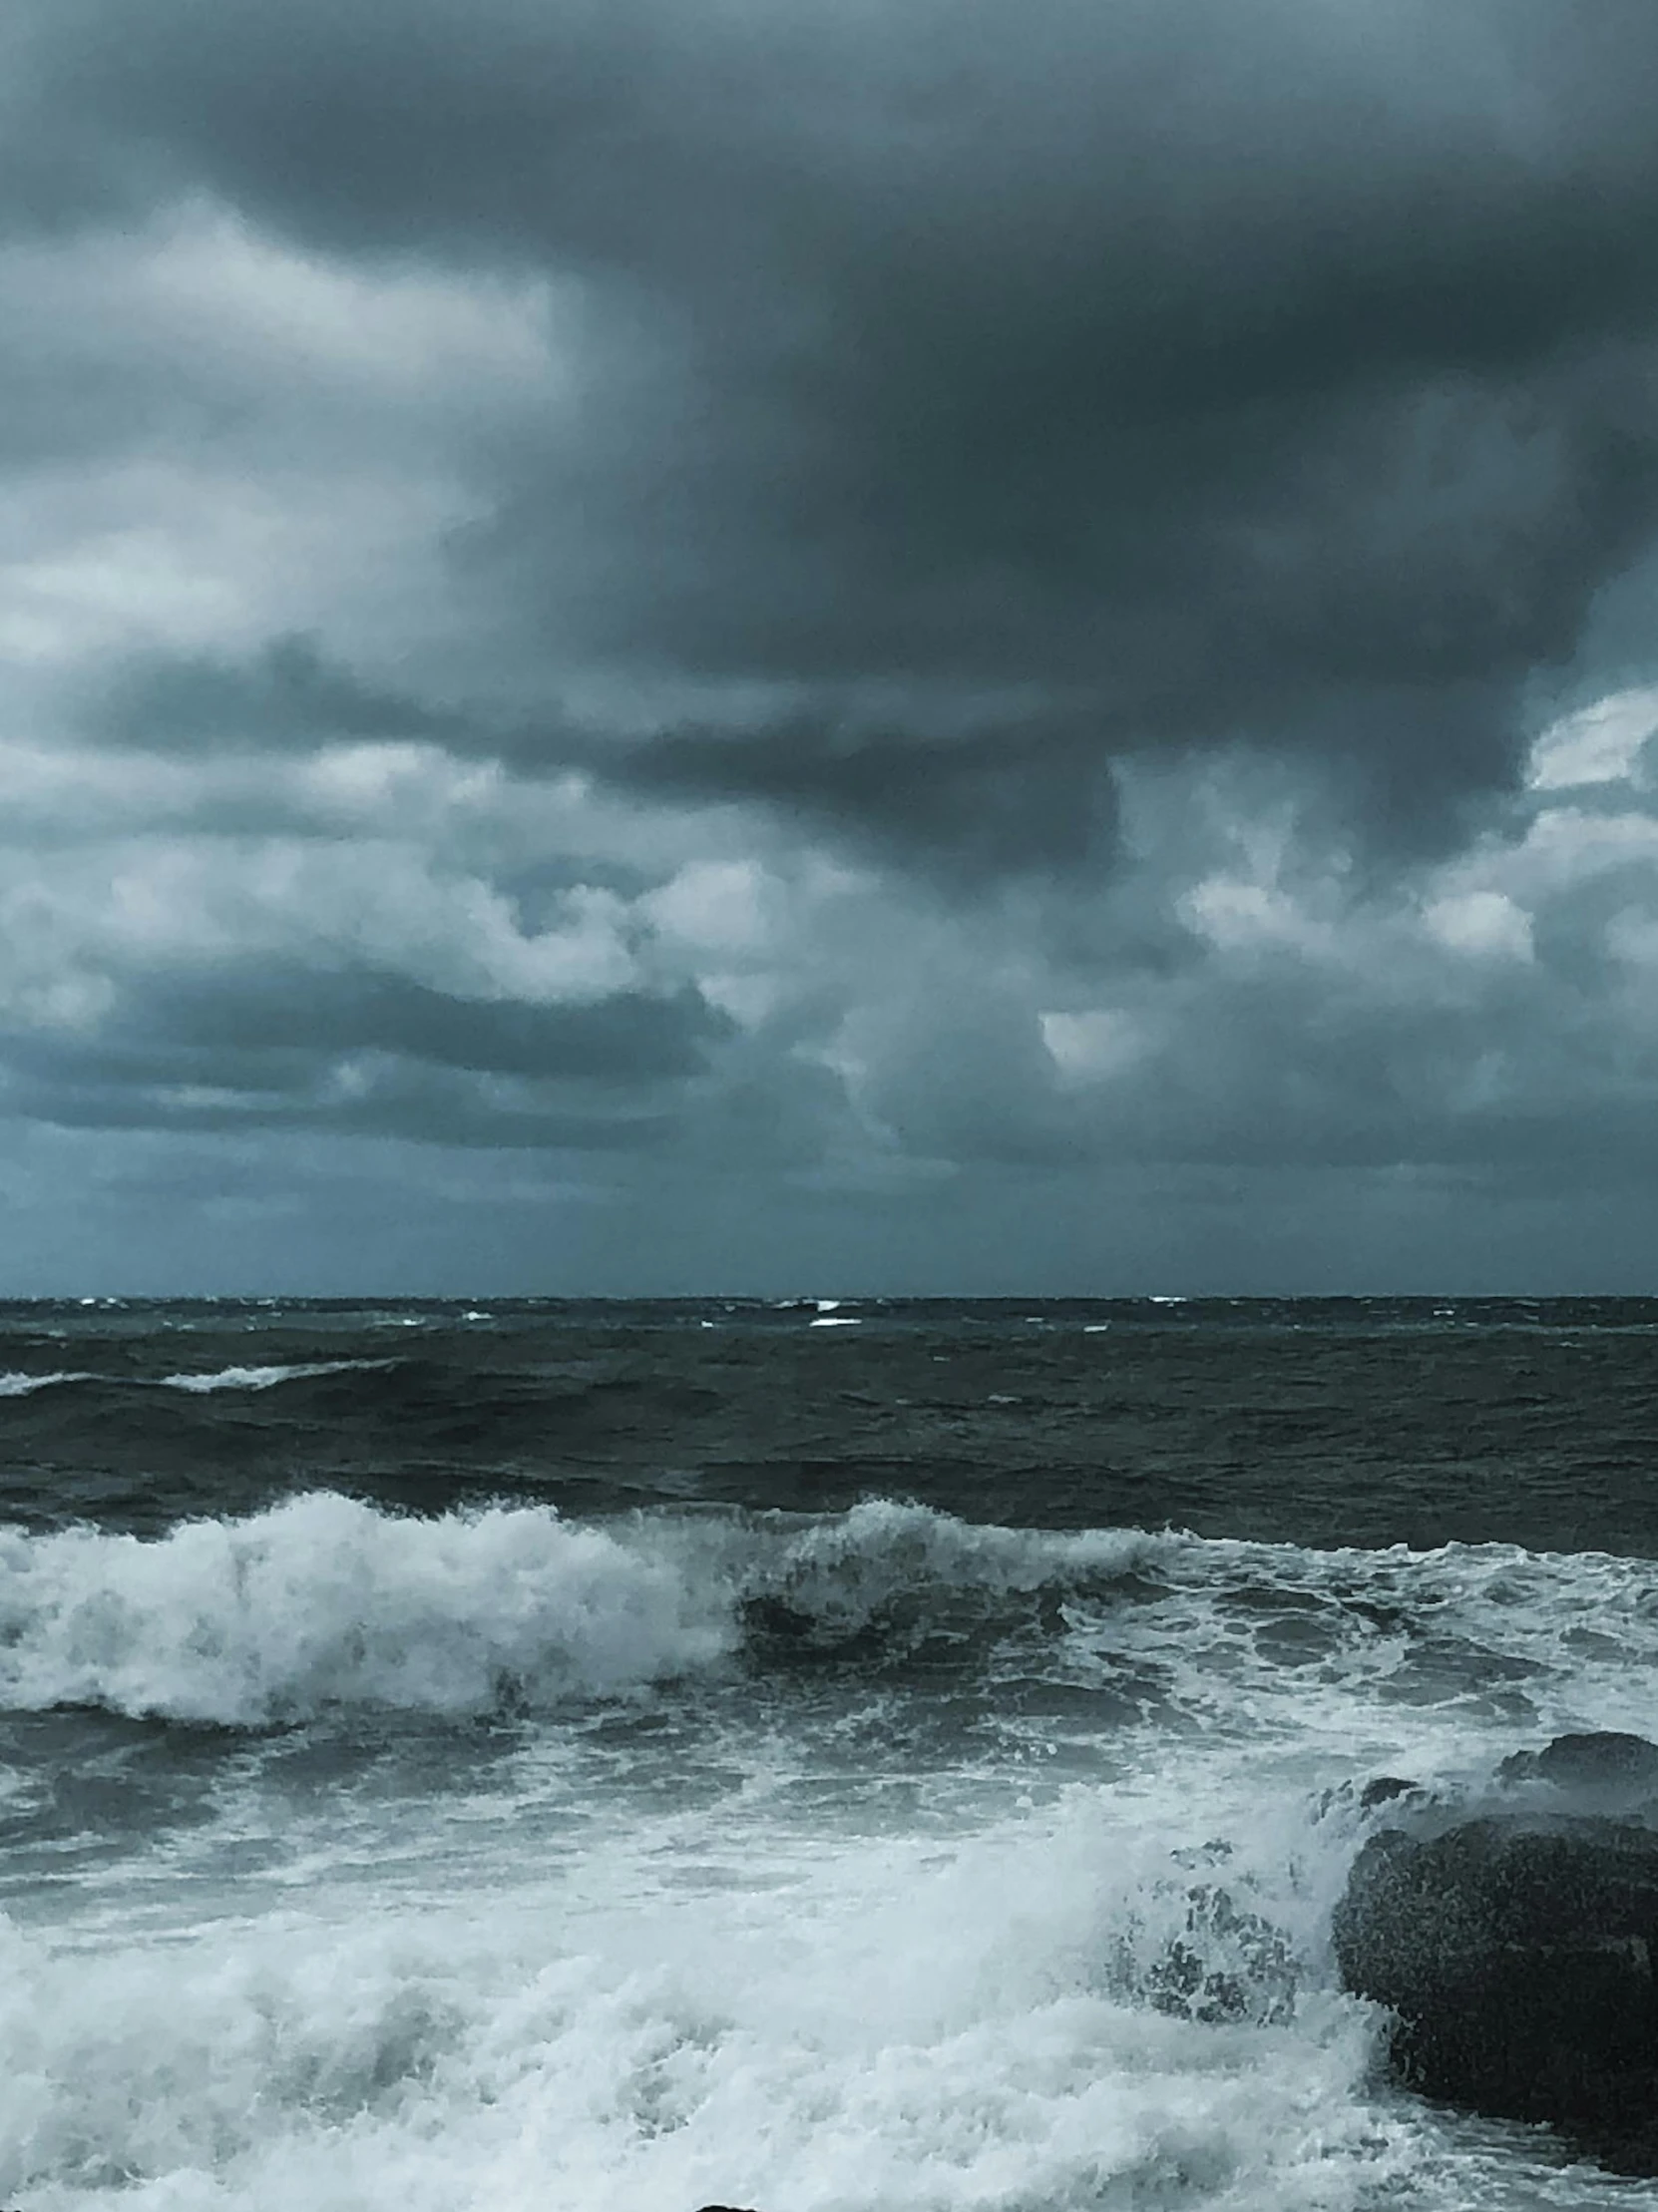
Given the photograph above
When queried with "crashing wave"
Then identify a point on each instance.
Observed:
(323, 1602)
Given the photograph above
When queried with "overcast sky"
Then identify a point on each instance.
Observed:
(914, 646)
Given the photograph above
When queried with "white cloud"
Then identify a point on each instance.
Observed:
(1238, 915)
(1481, 923)
(717, 906)
(1094, 1044)
(749, 1001)
(1598, 746)
(218, 437)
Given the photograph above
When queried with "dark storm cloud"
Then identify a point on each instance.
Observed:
(919, 619)
(1280, 1069)
(629, 1039)
(267, 1047)
(418, 1103)
(289, 694)
(1025, 797)
(1278, 375)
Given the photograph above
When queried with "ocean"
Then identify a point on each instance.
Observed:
(866, 1757)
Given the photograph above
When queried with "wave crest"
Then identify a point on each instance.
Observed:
(323, 1602)
(15, 1384)
(905, 1572)
(267, 1378)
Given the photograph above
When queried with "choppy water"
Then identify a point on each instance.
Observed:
(844, 1760)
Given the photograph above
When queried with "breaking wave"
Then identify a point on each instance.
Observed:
(323, 1602)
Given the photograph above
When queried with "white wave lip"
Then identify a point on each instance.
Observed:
(844, 1569)
(17, 1385)
(267, 1378)
(323, 1602)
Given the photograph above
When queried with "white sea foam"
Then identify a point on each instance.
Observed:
(17, 1384)
(900, 2023)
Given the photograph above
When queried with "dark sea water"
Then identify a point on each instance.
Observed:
(875, 1758)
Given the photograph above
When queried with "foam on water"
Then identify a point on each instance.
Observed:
(871, 1861)
(926, 2027)
(965, 2022)
(673, 1958)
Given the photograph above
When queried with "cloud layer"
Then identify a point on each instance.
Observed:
(972, 645)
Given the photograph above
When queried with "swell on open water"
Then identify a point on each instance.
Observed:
(825, 1758)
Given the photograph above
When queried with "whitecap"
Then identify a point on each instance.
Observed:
(17, 1384)
(267, 1378)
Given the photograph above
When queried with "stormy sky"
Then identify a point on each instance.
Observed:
(658, 645)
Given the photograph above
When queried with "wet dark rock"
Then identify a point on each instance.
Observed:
(1607, 1765)
(1383, 1789)
(1515, 1941)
